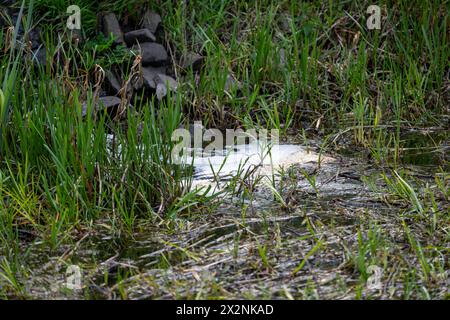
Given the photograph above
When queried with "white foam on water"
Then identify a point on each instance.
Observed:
(244, 158)
(241, 159)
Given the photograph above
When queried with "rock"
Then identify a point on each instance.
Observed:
(151, 21)
(150, 76)
(112, 81)
(161, 91)
(111, 26)
(167, 80)
(163, 83)
(102, 103)
(152, 53)
(141, 35)
(231, 83)
(191, 60)
(155, 79)
(137, 83)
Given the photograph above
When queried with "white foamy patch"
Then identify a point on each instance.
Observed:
(244, 158)
(257, 157)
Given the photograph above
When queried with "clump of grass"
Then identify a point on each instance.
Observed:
(62, 168)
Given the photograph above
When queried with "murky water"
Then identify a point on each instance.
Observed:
(424, 148)
(223, 248)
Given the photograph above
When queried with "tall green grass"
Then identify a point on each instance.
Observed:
(60, 169)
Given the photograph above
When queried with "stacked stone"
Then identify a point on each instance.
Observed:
(146, 41)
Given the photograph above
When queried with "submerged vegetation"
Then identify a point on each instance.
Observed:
(103, 193)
